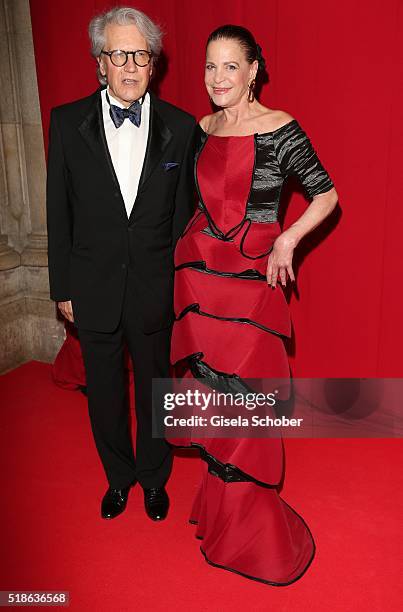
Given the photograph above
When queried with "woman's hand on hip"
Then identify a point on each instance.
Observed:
(279, 262)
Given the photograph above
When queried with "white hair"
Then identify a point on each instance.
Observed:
(122, 15)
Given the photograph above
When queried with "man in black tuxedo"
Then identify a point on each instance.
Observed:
(119, 194)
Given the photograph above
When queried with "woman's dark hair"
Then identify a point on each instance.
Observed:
(244, 37)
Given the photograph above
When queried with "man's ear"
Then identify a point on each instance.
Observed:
(101, 66)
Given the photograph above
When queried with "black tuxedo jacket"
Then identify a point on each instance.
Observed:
(92, 245)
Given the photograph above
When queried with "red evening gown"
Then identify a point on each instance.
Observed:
(230, 323)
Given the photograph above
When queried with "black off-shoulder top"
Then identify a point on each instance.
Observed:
(279, 154)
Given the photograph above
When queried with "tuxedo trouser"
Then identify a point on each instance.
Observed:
(107, 390)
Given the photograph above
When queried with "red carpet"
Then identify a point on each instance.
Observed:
(348, 491)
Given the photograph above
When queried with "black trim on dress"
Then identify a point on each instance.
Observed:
(201, 266)
(195, 307)
(268, 582)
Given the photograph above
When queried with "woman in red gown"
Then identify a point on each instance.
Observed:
(229, 323)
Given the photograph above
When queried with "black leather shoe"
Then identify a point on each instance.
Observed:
(156, 503)
(114, 502)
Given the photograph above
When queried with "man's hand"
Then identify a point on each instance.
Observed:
(67, 310)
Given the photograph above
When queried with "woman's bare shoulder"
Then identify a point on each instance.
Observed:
(272, 120)
(207, 122)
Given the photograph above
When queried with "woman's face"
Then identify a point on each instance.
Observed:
(228, 73)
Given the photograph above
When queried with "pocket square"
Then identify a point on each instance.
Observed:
(169, 165)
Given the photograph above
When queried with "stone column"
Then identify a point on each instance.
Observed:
(28, 325)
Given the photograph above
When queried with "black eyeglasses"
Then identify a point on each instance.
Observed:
(119, 58)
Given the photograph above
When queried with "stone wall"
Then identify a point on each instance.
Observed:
(29, 328)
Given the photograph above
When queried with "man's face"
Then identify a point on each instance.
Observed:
(129, 82)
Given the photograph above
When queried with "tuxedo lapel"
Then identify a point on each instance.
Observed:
(159, 136)
(93, 131)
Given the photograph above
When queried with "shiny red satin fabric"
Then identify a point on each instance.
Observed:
(234, 325)
(68, 368)
(251, 530)
(222, 185)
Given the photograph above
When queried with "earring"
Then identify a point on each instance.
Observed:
(251, 93)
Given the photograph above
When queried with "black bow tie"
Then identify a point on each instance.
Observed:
(118, 115)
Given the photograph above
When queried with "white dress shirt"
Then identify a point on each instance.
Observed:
(127, 146)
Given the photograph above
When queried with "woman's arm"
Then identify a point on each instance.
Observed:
(280, 258)
(297, 157)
